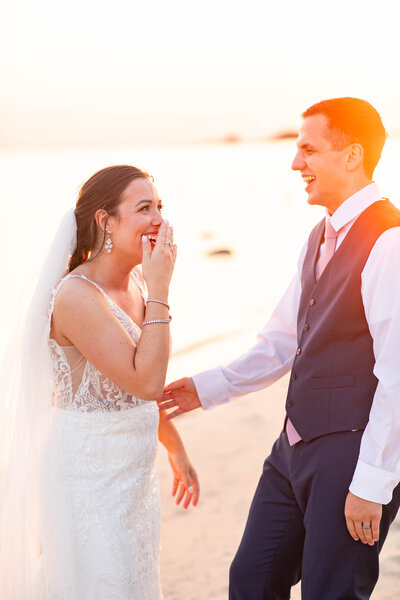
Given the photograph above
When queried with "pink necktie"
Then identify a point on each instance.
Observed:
(328, 249)
(327, 252)
(291, 433)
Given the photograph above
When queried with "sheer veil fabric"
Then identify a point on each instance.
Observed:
(25, 408)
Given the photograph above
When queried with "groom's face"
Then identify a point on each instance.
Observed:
(322, 168)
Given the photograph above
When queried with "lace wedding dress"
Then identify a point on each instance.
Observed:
(100, 497)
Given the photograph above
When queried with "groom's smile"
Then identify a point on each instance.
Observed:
(308, 179)
(322, 167)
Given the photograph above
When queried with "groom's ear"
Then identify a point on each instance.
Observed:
(355, 157)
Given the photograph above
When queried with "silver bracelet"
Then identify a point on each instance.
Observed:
(157, 321)
(158, 302)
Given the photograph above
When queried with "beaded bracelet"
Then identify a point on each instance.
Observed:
(158, 302)
(157, 321)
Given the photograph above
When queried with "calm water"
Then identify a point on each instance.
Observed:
(243, 198)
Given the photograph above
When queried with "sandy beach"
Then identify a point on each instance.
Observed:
(228, 446)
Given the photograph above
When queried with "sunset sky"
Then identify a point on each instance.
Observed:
(95, 72)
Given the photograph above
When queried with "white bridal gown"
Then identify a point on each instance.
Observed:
(101, 507)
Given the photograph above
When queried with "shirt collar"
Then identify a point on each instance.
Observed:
(354, 206)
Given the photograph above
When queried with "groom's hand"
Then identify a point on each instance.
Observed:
(180, 395)
(359, 512)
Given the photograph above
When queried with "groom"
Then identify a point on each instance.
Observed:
(329, 489)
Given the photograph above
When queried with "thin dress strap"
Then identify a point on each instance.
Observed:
(57, 289)
(63, 280)
(109, 300)
(81, 276)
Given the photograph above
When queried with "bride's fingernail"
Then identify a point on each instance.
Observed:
(166, 221)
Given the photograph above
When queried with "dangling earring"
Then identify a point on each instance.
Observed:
(108, 245)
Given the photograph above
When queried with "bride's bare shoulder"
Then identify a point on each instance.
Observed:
(75, 292)
(78, 305)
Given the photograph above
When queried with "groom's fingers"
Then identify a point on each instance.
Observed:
(166, 404)
(364, 534)
(174, 385)
(358, 533)
(351, 528)
(375, 529)
(368, 536)
(363, 518)
(166, 397)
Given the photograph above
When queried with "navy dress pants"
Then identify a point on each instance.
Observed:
(296, 527)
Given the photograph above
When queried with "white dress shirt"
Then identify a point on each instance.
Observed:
(378, 467)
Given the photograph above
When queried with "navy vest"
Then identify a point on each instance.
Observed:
(332, 383)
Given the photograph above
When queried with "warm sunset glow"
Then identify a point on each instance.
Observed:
(207, 97)
(129, 72)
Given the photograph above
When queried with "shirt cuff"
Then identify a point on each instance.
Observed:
(212, 388)
(373, 484)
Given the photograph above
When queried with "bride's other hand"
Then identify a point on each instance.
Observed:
(185, 485)
(158, 264)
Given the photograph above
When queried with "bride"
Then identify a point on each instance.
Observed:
(79, 494)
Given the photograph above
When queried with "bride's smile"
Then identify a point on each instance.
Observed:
(138, 214)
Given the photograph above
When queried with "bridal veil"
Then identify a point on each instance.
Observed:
(25, 407)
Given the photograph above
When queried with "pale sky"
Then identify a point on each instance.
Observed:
(88, 72)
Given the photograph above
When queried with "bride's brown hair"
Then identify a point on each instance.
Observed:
(102, 191)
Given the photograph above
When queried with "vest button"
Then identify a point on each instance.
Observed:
(298, 351)
(289, 403)
(293, 377)
(312, 302)
(306, 327)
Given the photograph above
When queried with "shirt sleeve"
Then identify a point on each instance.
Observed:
(268, 360)
(378, 468)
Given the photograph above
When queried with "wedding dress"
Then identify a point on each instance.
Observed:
(100, 509)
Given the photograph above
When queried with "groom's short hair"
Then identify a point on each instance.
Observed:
(352, 120)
